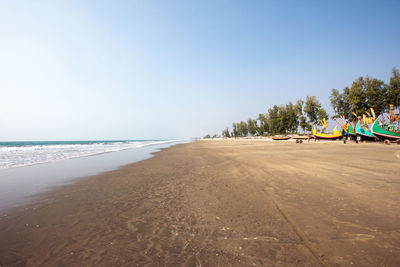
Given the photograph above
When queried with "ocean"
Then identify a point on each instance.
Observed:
(19, 154)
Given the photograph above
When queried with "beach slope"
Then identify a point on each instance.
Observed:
(220, 203)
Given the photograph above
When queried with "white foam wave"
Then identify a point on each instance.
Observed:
(18, 156)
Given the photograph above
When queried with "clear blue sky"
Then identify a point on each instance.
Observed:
(174, 69)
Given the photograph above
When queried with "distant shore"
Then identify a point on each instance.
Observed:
(243, 202)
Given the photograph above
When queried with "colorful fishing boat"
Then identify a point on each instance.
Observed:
(364, 125)
(352, 132)
(364, 132)
(388, 129)
(329, 136)
(384, 134)
(352, 126)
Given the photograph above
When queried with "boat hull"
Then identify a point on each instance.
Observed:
(336, 135)
(352, 133)
(384, 134)
(327, 136)
(364, 133)
(281, 138)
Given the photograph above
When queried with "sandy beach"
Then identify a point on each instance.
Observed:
(220, 203)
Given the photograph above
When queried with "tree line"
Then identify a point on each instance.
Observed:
(363, 94)
(281, 119)
(366, 93)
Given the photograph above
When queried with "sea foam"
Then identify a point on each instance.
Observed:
(18, 154)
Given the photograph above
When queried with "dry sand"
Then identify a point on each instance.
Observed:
(220, 203)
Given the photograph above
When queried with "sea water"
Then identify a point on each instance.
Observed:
(18, 154)
(30, 168)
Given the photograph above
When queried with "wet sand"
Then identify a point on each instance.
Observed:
(220, 203)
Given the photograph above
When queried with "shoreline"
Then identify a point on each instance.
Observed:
(43, 197)
(20, 144)
(19, 185)
(220, 203)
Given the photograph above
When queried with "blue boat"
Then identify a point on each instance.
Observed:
(364, 132)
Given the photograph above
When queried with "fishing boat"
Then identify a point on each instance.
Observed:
(364, 132)
(278, 138)
(352, 126)
(329, 136)
(336, 134)
(364, 125)
(352, 132)
(384, 132)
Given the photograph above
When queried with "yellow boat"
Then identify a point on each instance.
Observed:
(336, 134)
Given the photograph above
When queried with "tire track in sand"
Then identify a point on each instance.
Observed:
(317, 255)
